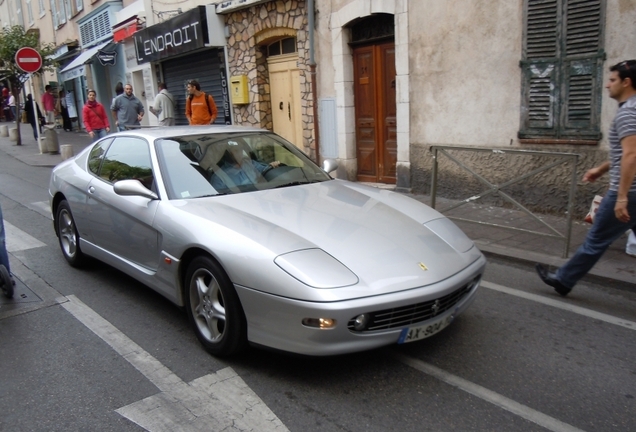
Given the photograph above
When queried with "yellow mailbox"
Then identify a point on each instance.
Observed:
(238, 85)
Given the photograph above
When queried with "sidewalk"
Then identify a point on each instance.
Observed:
(614, 265)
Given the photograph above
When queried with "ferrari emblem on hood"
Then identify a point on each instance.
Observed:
(423, 267)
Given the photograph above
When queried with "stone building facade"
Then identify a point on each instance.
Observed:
(251, 30)
(473, 77)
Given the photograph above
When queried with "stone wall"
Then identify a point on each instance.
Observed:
(546, 192)
(247, 57)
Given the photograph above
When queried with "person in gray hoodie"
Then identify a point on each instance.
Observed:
(127, 109)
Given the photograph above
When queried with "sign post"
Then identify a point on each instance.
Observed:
(30, 61)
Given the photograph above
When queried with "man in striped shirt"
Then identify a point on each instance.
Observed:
(613, 215)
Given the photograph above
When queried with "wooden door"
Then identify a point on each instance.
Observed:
(285, 97)
(375, 111)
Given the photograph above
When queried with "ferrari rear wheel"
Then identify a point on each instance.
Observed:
(214, 309)
(67, 235)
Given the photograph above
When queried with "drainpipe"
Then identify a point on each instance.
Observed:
(312, 71)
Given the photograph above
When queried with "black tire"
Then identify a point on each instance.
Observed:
(214, 309)
(7, 283)
(67, 235)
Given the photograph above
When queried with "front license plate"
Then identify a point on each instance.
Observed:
(411, 334)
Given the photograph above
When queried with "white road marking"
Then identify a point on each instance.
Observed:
(220, 401)
(494, 398)
(561, 305)
(42, 207)
(18, 240)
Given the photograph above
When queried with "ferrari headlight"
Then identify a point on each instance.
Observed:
(449, 232)
(316, 268)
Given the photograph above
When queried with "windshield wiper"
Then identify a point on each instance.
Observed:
(296, 183)
(211, 195)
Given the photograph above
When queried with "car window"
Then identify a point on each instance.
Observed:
(97, 155)
(127, 158)
(232, 162)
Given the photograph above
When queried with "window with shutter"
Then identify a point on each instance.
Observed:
(562, 69)
(54, 14)
(96, 29)
(61, 12)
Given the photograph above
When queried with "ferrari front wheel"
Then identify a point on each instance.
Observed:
(214, 309)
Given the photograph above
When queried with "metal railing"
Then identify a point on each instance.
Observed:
(496, 190)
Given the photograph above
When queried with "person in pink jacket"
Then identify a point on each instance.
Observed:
(95, 118)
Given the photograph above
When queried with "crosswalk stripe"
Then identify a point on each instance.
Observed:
(214, 402)
(17, 240)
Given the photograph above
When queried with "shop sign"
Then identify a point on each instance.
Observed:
(232, 5)
(178, 35)
(74, 73)
(107, 58)
(226, 98)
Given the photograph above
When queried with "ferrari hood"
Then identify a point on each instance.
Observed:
(390, 242)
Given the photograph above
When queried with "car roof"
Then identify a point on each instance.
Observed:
(170, 131)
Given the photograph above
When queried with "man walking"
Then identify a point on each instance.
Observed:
(127, 109)
(164, 106)
(48, 103)
(613, 215)
(200, 107)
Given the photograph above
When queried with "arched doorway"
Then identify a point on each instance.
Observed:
(374, 75)
(284, 83)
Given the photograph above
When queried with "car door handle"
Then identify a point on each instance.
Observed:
(91, 190)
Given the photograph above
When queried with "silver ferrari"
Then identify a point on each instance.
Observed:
(261, 246)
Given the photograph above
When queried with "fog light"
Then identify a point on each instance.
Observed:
(360, 322)
(321, 323)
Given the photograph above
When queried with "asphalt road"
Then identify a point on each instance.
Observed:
(92, 349)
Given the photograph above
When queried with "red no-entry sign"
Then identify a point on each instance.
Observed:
(28, 59)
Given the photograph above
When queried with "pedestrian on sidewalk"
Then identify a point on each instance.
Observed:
(164, 106)
(12, 108)
(36, 121)
(119, 90)
(200, 107)
(48, 102)
(62, 108)
(613, 215)
(127, 109)
(95, 118)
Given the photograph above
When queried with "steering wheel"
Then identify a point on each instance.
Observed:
(271, 167)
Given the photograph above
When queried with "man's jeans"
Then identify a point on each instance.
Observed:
(605, 230)
(4, 256)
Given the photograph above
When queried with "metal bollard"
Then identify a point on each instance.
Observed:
(67, 151)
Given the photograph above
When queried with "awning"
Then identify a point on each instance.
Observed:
(84, 57)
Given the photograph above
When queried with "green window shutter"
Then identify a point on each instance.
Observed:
(540, 69)
(561, 68)
(541, 94)
(541, 29)
(582, 65)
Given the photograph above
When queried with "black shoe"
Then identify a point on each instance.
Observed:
(550, 279)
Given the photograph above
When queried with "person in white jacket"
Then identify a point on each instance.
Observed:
(164, 106)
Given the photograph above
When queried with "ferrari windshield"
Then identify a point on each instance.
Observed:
(233, 162)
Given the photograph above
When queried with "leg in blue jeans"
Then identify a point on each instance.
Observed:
(605, 230)
(99, 133)
(4, 256)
